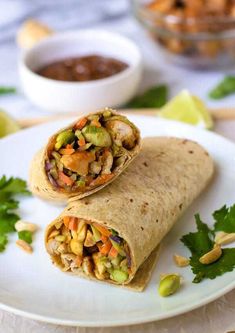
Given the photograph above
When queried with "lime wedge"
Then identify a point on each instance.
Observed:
(188, 109)
(7, 124)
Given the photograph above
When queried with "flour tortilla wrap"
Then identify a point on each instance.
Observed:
(142, 205)
(54, 166)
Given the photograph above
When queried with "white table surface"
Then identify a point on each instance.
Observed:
(217, 317)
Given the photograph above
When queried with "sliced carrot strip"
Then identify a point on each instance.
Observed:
(65, 179)
(73, 223)
(100, 180)
(106, 247)
(78, 261)
(81, 123)
(69, 146)
(104, 231)
(66, 220)
(113, 252)
(104, 239)
(81, 142)
(67, 151)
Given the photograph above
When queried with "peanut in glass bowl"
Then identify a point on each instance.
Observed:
(190, 33)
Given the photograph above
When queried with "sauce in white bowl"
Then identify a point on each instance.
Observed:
(65, 96)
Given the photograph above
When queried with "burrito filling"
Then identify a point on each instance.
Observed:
(88, 154)
(78, 244)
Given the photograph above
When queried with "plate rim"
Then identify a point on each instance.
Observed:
(117, 323)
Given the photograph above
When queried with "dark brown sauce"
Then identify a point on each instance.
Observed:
(87, 68)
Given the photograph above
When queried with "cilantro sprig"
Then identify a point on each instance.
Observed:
(203, 240)
(224, 88)
(26, 236)
(154, 97)
(4, 90)
(3, 242)
(10, 188)
(225, 219)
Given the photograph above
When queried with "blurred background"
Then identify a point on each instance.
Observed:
(116, 15)
(59, 15)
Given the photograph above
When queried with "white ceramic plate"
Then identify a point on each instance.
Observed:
(31, 286)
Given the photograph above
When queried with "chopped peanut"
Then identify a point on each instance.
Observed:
(24, 246)
(76, 247)
(23, 225)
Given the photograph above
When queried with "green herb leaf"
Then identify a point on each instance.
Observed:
(9, 187)
(7, 90)
(224, 88)
(3, 242)
(7, 222)
(202, 241)
(154, 97)
(8, 205)
(199, 242)
(226, 263)
(26, 236)
(13, 186)
(225, 219)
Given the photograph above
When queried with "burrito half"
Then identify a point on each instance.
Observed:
(84, 157)
(111, 235)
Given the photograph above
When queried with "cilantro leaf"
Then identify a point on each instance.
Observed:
(225, 219)
(226, 263)
(199, 242)
(9, 187)
(224, 88)
(13, 186)
(26, 236)
(7, 205)
(7, 222)
(220, 214)
(7, 90)
(154, 97)
(201, 226)
(3, 242)
(202, 241)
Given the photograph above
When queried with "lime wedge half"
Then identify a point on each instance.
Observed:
(7, 124)
(188, 109)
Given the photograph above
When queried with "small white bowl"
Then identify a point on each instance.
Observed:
(62, 96)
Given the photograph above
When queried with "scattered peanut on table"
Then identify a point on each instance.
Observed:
(24, 246)
(25, 230)
(180, 261)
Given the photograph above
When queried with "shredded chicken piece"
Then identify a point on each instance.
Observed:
(63, 248)
(124, 133)
(52, 246)
(87, 266)
(78, 162)
(68, 260)
(95, 167)
(107, 163)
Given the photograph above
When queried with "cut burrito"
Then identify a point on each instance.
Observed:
(85, 156)
(111, 235)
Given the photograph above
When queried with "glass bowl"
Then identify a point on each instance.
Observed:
(203, 41)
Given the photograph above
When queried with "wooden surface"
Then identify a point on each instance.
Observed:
(217, 114)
